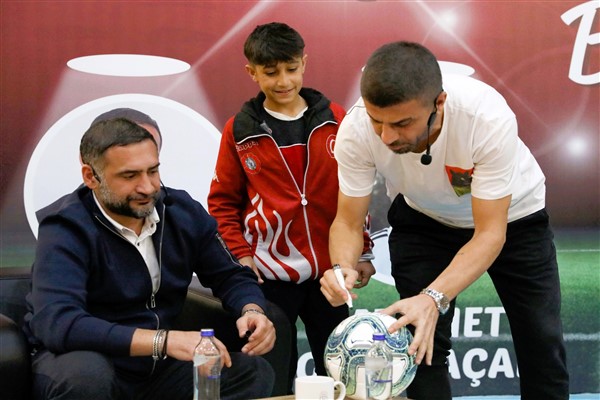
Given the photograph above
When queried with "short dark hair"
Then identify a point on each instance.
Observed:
(128, 113)
(106, 134)
(271, 43)
(399, 72)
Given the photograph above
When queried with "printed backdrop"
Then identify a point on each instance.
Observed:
(544, 57)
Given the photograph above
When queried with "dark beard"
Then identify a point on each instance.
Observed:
(403, 151)
(122, 207)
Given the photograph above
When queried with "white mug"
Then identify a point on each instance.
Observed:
(318, 388)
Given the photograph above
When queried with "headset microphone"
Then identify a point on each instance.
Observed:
(167, 200)
(426, 158)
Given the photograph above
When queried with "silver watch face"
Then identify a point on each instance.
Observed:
(441, 301)
(443, 305)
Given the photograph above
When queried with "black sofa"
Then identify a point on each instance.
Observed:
(201, 310)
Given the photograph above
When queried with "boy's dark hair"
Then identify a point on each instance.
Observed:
(399, 72)
(271, 43)
(106, 134)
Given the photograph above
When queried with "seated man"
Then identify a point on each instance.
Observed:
(113, 263)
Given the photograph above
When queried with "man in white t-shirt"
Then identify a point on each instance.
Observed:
(468, 197)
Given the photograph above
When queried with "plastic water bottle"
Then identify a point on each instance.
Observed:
(378, 369)
(207, 368)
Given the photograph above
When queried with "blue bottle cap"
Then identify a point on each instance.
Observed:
(207, 332)
(378, 336)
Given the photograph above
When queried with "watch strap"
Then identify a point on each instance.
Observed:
(441, 301)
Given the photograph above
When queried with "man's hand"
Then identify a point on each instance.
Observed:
(248, 261)
(181, 345)
(365, 270)
(421, 312)
(331, 289)
(259, 331)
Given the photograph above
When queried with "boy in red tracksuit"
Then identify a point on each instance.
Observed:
(274, 193)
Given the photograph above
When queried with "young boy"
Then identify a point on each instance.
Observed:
(274, 193)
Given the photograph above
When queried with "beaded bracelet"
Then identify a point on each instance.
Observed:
(164, 349)
(253, 310)
(158, 345)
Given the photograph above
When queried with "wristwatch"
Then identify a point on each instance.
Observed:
(441, 301)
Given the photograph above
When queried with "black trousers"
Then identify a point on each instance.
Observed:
(525, 275)
(90, 375)
(320, 318)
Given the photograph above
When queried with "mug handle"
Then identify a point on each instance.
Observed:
(342, 389)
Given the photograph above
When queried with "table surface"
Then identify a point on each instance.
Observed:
(292, 397)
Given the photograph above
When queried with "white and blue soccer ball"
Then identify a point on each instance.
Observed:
(348, 344)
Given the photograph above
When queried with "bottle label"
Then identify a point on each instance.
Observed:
(200, 359)
(376, 364)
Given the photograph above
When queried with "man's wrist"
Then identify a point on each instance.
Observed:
(159, 344)
(442, 302)
(254, 310)
(367, 256)
(336, 266)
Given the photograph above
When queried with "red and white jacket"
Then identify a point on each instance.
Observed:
(260, 209)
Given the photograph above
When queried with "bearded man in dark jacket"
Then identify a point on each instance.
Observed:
(113, 264)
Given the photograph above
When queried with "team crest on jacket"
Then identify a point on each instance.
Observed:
(251, 163)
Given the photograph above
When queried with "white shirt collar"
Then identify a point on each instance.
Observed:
(148, 229)
(284, 117)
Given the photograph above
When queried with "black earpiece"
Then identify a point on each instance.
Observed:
(167, 200)
(431, 119)
(95, 174)
(426, 158)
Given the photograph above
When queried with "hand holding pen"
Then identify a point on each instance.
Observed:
(333, 285)
(337, 270)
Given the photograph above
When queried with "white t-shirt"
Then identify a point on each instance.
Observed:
(478, 152)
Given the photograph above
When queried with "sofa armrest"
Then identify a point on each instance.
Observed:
(15, 361)
(15, 283)
(202, 310)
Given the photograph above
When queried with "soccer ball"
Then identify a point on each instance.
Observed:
(348, 344)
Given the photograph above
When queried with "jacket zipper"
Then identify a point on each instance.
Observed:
(302, 192)
(153, 295)
(304, 202)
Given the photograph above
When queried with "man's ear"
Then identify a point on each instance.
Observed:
(89, 177)
(251, 70)
(440, 100)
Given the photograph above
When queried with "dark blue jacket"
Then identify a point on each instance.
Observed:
(91, 288)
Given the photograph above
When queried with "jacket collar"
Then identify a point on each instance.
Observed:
(248, 121)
